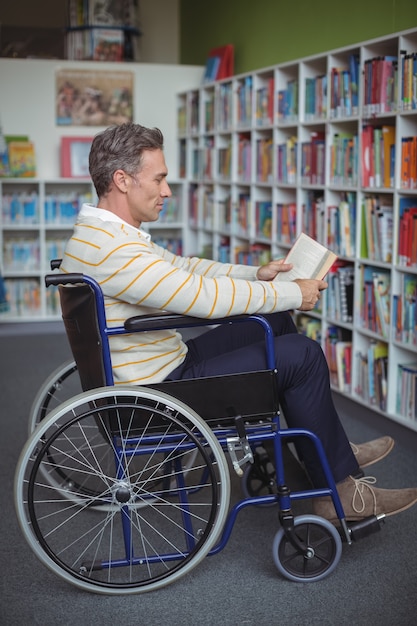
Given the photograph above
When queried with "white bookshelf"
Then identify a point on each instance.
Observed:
(232, 114)
(37, 218)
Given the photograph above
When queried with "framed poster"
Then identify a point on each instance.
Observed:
(93, 97)
(74, 156)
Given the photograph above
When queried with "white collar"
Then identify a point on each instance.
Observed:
(89, 210)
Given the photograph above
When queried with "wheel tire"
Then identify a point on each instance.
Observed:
(63, 384)
(122, 527)
(319, 535)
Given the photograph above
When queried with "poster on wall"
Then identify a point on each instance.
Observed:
(93, 97)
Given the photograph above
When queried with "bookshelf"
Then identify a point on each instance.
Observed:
(326, 145)
(37, 218)
(102, 31)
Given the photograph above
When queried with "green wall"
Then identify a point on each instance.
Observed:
(267, 32)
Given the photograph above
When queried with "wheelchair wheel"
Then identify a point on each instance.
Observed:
(63, 384)
(129, 517)
(259, 477)
(325, 547)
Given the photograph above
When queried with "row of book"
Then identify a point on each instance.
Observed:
(287, 102)
(21, 254)
(344, 89)
(264, 159)
(23, 297)
(383, 92)
(408, 86)
(374, 303)
(407, 232)
(315, 104)
(380, 85)
(255, 254)
(378, 156)
(60, 208)
(340, 292)
(341, 225)
(264, 104)
(344, 160)
(372, 374)
(377, 159)
(338, 352)
(406, 400)
(286, 222)
(404, 310)
(244, 102)
(313, 152)
(287, 161)
(408, 170)
(378, 228)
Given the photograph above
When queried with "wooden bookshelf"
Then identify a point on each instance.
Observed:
(324, 144)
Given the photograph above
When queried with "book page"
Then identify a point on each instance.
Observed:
(309, 258)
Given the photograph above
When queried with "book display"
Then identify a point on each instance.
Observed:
(102, 30)
(327, 146)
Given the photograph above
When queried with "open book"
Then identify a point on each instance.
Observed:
(309, 258)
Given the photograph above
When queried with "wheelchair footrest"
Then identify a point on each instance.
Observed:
(365, 527)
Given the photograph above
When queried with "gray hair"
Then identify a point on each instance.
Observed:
(120, 147)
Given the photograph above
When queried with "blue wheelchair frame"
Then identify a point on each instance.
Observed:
(254, 433)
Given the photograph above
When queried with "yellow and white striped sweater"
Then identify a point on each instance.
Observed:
(138, 277)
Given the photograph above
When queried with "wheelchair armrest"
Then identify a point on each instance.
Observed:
(160, 321)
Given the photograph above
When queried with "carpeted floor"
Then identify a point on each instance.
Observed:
(374, 584)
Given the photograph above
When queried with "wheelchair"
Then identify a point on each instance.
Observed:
(122, 489)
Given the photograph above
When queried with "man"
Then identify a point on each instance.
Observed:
(127, 166)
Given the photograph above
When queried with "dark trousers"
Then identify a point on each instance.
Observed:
(303, 383)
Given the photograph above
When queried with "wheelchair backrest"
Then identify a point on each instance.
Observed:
(79, 313)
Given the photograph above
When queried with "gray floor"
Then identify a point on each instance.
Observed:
(375, 582)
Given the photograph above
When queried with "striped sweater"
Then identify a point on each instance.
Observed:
(138, 277)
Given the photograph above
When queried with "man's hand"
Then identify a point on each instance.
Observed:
(310, 290)
(269, 271)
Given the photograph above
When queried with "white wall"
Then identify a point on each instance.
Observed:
(27, 103)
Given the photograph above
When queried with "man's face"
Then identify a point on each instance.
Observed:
(148, 188)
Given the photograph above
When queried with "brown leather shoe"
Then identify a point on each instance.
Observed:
(359, 500)
(372, 451)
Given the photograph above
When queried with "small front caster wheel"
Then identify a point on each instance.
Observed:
(259, 477)
(323, 549)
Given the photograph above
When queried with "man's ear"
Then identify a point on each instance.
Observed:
(120, 180)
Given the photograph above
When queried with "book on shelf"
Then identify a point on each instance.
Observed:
(108, 45)
(344, 365)
(22, 159)
(404, 310)
(340, 291)
(374, 302)
(372, 374)
(406, 401)
(407, 232)
(309, 258)
(378, 229)
(219, 64)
